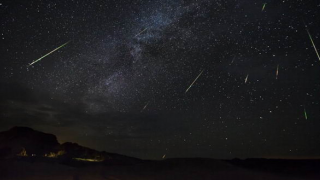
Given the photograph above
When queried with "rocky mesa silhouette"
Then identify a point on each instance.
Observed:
(27, 142)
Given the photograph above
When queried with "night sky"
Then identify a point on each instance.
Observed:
(122, 81)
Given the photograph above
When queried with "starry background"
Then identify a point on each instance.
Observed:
(120, 83)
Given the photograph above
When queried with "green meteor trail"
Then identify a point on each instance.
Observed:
(305, 114)
(194, 81)
(49, 53)
(314, 46)
(264, 6)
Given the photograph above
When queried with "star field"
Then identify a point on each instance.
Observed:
(120, 83)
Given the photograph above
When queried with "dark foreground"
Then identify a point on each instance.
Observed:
(28, 154)
(175, 169)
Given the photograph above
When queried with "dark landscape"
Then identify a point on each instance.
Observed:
(29, 154)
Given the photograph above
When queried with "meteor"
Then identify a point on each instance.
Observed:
(245, 81)
(232, 60)
(194, 81)
(141, 32)
(264, 6)
(305, 114)
(49, 53)
(163, 156)
(144, 107)
(277, 72)
(314, 46)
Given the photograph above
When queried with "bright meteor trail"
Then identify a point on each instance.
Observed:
(194, 81)
(49, 53)
(141, 32)
(305, 114)
(314, 46)
(264, 6)
(245, 81)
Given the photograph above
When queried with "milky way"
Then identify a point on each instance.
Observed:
(119, 85)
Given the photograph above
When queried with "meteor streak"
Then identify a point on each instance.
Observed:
(194, 81)
(245, 81)
(144, 107)
(232, 60)
(314, 46)
(277, 72)
(49, 53)
(264, 6)
(163, 156)
(141, 32)
(305, 114)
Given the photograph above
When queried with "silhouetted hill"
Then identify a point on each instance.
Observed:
(26, 142)
(19, 139)
(51, 160)
(75, 151)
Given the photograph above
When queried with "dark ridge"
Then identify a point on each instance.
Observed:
(18, 139)
(27, 143)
